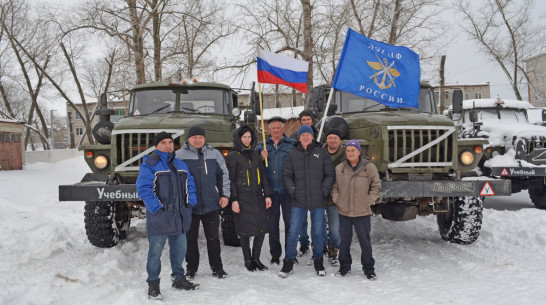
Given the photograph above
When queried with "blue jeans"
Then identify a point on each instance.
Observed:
(333, 226)
(304, 236)
(279, 202)
(296, 222)
(177, 252)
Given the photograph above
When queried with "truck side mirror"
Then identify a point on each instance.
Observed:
(457, 101)
(543, 115)
(255, 102)
(250, 117)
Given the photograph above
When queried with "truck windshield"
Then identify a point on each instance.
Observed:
(488, 116)
(146, 102)
(349, 103)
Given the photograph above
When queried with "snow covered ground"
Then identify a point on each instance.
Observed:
(46, 259)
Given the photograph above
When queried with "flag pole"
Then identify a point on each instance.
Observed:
(262, 118)
(323, 120)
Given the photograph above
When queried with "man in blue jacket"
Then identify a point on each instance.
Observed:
(208, 168)
(168, 191)
(277, 147)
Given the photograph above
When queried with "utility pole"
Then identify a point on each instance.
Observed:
(442, 81)
(51, 129)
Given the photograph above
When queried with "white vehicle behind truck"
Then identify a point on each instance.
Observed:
(516, 149)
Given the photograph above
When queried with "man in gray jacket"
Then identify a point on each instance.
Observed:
(208, 168)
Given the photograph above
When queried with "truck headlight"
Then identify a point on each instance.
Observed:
(467, 158)
(101, 162)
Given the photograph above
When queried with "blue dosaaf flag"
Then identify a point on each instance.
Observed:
(382, 72)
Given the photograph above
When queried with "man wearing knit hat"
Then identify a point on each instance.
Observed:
(168, 191)
(333, 146)
(356, 189)
(308, 175)
(208, 167)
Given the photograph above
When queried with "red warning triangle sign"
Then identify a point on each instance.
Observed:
(504, 172)
(487, 190)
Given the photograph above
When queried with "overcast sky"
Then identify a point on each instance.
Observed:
(465, 64)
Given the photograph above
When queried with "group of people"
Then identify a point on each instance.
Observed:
(284, 176)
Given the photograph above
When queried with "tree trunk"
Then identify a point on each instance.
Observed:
(138, 42)
(308, 40)
(394, 25)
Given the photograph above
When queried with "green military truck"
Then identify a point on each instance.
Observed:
(516, 150)
(419, 158)
(109, 191)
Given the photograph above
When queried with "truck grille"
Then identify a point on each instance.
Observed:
(132, 146)
(420, 146)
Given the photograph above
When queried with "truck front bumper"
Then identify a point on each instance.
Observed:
(94, 187)
(445, 188)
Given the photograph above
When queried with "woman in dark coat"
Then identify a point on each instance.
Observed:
(250, 195)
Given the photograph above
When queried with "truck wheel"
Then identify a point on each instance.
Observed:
(462, 223)
(229, 233)
(538, 196)
(106, 222)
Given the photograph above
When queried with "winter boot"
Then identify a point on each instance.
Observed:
(286, 269)
(343, 271)
(183, 283)
(256, 250)
(249, 264)
(190, 275)
(220, 273)
(332, 255)
(153, 291)
(370, 275)
(319, 266)
(303, 250)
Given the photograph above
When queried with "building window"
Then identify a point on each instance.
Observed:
(466, 96)
(478, 95)
(1, 137)
(90, 114)
(447, 95)
(78, 117)
(119, 111)
(15, 137)
(79, 131)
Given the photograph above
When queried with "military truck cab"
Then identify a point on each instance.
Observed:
(516, 150)
(109, 191)
(418, 156)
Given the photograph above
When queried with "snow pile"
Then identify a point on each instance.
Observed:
(46, 258)
(492, 103)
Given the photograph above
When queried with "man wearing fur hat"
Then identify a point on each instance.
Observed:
(356, 189)
(308, 175)
(167, 188)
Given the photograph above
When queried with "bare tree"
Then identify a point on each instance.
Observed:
(505, 32)
(29, 42)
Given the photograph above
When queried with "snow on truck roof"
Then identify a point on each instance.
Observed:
(491, 103)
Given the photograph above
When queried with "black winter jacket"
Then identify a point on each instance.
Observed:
(308, 175)
(249, 186)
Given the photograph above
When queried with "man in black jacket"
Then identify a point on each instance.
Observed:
(308, 175)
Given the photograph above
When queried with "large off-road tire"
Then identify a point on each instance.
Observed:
(462, 223)
(106, 222)
(229, 233)
(538, 196)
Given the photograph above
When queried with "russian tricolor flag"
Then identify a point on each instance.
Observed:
(277, 69)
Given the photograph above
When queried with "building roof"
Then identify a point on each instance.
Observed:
(11, 121)
(284, 112)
